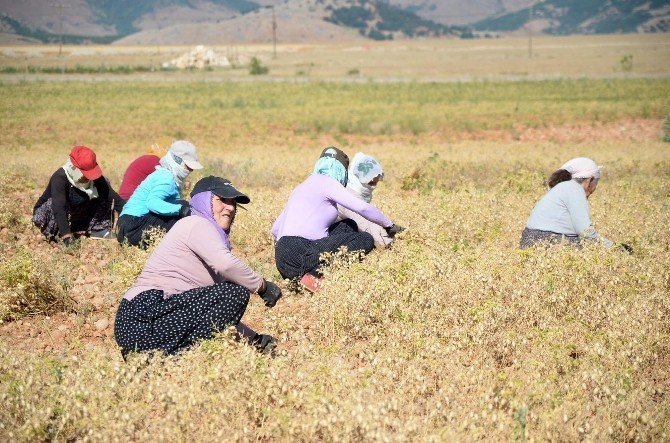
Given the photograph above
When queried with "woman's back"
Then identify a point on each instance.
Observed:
(563, 210)
(158, 193)
(312, 209)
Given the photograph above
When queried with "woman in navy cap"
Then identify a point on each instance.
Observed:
(78, 201)
(193, 285)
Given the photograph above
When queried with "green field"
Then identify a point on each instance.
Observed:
(454, 334)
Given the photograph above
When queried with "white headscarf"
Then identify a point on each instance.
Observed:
(582, 167)
(363, 169)
(73, 175)
(177, 167)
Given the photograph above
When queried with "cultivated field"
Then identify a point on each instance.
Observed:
(454, 334)
(645, 55)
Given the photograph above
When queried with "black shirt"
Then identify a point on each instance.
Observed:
(65, 196)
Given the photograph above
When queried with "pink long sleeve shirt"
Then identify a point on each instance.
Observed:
(192, 255)
(312, 208)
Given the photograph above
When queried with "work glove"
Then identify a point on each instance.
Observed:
(185, 209)
(264, 343)
(623, 247)
(394, 229)
(270, 293)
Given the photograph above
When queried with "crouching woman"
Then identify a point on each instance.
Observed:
(563, 215)
(365, 173)
(78, 201)
(308, 228)
(192, 285)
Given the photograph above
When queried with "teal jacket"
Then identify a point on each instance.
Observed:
(158, 193)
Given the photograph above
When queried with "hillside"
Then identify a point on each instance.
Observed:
(382, 21)
(301, 21)
(460, 12)
(159, 22)
(585, 17)
(79, 20)
(293, 25)
(216, 21)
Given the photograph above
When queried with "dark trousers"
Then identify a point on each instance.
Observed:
(297, 256)
(133, 229)
(150, 322)
(530, 237)
(93, 215)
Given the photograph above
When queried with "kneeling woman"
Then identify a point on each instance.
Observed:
(193, 286)
(307, 227)
(78, 201)
(563, 213)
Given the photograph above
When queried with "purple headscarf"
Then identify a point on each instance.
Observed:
(201, 205)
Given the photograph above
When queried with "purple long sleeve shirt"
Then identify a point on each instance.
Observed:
(312, 208)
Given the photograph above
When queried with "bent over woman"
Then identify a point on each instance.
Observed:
(365, 173)
(307, 227)
(156, 202)
(563, 213)
(78, 201)
(193, 285)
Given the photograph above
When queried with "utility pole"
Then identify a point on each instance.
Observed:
(274, 33)
(60, 7)
(530, 32)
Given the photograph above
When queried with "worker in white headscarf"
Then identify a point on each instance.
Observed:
(365, 173)
(563, 215)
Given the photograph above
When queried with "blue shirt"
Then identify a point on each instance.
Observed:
(158, 193)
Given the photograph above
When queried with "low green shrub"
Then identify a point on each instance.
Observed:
(28, 287)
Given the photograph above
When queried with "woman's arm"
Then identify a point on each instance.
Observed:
(109, 194)
(60, 187)
(339, 195)
(578, 208)
(382, 239)
(206, 243)
(157, 199)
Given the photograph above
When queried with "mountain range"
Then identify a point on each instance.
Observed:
(225, 21)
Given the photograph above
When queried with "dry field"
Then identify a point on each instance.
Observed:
(356, 61)
(454, 334)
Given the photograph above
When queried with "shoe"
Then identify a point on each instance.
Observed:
(105, 234)
(311, 283)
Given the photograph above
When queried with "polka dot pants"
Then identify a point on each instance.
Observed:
(150, 322)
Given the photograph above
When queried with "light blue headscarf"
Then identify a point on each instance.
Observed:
(332, 168)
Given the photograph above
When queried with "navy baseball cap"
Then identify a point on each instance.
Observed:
(221, 187)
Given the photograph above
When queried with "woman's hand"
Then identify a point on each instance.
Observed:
(270, 293)
(393, 230)
(185, 209)
(623, 247)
